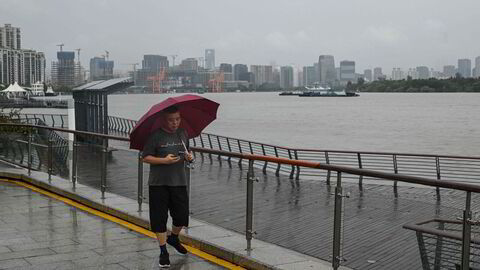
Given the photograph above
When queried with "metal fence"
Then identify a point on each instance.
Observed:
(463, 260)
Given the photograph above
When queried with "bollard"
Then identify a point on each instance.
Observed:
(140, 181)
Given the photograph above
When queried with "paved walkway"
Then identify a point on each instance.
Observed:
(38, 232)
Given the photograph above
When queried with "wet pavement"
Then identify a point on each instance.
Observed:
(38, 232)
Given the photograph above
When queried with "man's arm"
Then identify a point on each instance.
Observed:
(169, 159)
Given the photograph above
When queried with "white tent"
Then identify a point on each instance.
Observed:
(15, 90)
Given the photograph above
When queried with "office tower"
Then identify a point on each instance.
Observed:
(465, 67)
(227, 71)
(477, 67)
(449, 71)
(326, 66)
(210, 59)
(226, 68)
(300, 79)
(367, 75)
(377, 73)
(262, 74)
(239, 71)
(286, 77)
(101, 69)
(153, 65)
(423, 72)
(309, 75)
(347, 72)
(25, 67)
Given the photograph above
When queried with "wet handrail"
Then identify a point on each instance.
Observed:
(361, 172)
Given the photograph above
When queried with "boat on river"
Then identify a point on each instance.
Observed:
(319, 91)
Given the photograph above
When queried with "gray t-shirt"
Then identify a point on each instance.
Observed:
(160, 144)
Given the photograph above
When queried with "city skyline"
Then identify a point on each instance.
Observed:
(434, 33)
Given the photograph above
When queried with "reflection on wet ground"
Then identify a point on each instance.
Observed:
(38, 232)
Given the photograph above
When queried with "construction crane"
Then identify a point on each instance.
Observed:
(61, 46)
(173, 59)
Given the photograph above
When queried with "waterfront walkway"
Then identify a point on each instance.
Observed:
(39, 232)
(298, 215)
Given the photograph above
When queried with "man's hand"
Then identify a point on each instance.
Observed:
(189, 156)
(170, 159)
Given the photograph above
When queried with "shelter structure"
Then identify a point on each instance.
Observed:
(91, 103)
(15, 91)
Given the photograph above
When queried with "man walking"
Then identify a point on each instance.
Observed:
(166, 151)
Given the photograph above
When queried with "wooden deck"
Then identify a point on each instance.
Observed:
(299, 214)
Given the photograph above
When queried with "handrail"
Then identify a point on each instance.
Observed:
(302, 163)
(360, 172)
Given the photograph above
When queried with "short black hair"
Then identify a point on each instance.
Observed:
(171, 109)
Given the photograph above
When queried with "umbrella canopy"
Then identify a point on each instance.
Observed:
(196, 112)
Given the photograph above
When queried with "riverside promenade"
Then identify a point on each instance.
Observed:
(298, 214)
(40, 232)
(54, 239)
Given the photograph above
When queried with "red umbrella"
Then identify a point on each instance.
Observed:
(196, 112)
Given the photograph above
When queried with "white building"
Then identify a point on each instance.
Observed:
(18, 65)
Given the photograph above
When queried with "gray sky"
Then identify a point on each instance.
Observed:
(401, 33)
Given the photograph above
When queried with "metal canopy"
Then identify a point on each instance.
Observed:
(91, 103)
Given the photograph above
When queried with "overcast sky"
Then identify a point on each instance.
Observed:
(386, 33)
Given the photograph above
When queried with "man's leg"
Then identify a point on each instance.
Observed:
(159, 199)
(179, 211)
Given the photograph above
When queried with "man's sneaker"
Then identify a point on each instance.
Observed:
(173, 241)
(164, 260)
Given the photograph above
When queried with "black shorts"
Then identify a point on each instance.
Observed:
(165, 198)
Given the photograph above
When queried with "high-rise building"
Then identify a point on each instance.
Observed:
(477, 67)
(224, 67)
(300, 81)
(449, 71)
(101, 69)
(377, 74)
(309, 75)
(16, 64)
(465, 68)
(423, 72)
(152, 65)
(210, 59)
(412, 73)
(262, 74)
(10, 37)
(367, 75)
(239, 71)
(63, 70)
(326, 66)
(286, 77)
(347, 71)
(397, 74)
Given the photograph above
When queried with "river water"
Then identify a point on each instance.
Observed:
(427, 123)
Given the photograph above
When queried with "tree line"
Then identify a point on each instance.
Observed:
(456, 84)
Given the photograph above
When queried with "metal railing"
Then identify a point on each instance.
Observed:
(52, 120)
(240, 156)
(454, 168)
